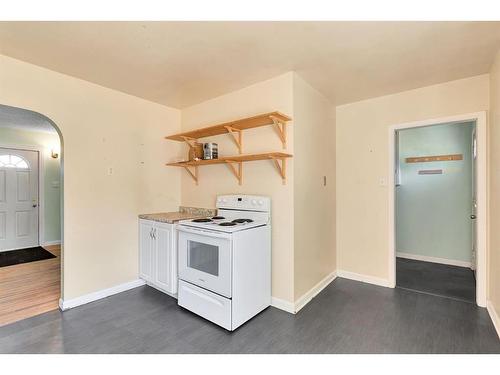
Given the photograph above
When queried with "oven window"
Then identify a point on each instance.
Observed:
(203, 257)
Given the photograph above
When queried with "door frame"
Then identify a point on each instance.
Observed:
(41, 183)
(482, 191)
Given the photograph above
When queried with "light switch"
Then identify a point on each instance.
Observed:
(382, 181)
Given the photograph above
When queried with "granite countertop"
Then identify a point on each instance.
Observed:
(184, 213)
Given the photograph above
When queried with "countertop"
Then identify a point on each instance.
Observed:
(184, 213)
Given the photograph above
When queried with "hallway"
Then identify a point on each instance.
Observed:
(437, 279)
(30, 289)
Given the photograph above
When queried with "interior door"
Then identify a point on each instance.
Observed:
(18, 199)
(474, 202)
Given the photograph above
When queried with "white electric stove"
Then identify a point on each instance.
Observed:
(225, 261)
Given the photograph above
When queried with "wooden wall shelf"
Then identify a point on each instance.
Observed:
(427, 159)
(235, 164)
(235, 129)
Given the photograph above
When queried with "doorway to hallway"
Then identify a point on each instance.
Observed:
(30, 214)
(437, 196)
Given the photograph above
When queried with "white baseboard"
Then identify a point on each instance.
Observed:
(283, 305)
(294, 308)
(494, 316)
(364, 278)
(50, 243)
(425, 258)
(314, 291)
(91, 297)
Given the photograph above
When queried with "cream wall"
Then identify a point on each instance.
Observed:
(101, 129)
(260, 177)
(314, 203)
(494, 137)
(362, 161)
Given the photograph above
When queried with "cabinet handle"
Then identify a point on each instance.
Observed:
(154, 233)
(151, 233)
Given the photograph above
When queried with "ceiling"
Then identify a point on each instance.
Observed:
(17, 118)
(183, 63)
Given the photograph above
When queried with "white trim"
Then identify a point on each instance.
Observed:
(283, 305)
(294, 308)
(314, 291)
(51, 243)
(91, 297)
(425, 258)
(481, 175)
(364, 278)
(494, 316)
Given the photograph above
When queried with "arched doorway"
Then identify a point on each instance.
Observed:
(31, 214)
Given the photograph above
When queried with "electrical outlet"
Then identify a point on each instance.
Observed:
(110, 171)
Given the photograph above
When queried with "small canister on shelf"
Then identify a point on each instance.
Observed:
(210, 151)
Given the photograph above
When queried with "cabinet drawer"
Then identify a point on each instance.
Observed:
(209, 305)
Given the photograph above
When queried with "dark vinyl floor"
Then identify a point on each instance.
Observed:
(439, 279)
(346, 317)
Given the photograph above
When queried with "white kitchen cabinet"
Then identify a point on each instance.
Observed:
(158, 255)
(146, 250)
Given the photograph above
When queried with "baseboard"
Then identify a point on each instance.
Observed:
(494, 316)
(364, 278)
(314, 291)
(424, 258)
(283, 305)
(91, 297)
(51, 243)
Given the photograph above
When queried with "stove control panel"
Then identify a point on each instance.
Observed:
(244, 202)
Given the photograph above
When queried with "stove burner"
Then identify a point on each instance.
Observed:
(218, 218)
(201, 220)
(227, 224)
(240, 221)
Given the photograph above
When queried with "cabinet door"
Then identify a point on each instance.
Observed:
(163, 258)
(146, 250)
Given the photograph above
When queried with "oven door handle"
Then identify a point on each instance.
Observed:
(201, 232)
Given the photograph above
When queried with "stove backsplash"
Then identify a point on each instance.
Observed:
(196, 211)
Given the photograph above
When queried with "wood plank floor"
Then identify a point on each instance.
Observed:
(30, 289)
(346, 317)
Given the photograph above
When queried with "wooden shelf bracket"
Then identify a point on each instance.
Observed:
(238, 173)
(281, 168)
(238, 139)
(280, 127)
(194, 174)
(189, 141)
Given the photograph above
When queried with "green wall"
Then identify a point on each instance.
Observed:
(433, 211)
(52, 194)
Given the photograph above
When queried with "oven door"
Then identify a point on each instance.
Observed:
(205, 259)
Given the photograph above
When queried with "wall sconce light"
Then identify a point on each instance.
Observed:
(54, 154)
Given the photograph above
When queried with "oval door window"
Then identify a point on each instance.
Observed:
(13, 161)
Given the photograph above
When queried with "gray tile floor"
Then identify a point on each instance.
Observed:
(347, 317)
(439, 279)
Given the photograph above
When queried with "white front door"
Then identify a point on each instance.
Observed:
(18, 199)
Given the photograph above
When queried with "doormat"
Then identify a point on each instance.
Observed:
(31, 254)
